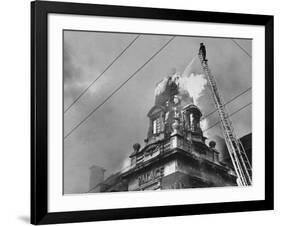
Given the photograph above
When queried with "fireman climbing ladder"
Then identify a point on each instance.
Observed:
(235, 148)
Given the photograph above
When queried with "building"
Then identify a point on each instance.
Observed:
(175, 154)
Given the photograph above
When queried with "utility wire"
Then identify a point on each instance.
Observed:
(116, 90)
(92, 83)
(233, 113)
(241, 48)
(228, 102)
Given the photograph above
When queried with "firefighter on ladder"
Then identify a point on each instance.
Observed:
(202, 51)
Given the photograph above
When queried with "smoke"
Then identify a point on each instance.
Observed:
(192, 85)
(204, 125)
(126, 164)
(161, 86)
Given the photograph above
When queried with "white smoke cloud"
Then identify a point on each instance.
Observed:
(160, 87)
(125, 165)
(204, 125)
(190, 83)
(193, 84)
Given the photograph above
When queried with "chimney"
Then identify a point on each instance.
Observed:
(136, 148)
(96, 176)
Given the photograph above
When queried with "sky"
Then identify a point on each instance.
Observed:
(106, 138)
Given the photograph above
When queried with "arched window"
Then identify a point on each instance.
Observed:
(156, 125)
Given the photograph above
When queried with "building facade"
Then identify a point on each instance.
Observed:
(175, 154)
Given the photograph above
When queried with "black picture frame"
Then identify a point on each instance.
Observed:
(39, 112)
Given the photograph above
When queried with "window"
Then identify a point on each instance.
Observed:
(166, 116)
(156, 123)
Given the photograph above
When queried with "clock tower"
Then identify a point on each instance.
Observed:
(175, 154)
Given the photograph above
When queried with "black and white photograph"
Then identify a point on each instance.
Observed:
(149, 112)
(155, 112)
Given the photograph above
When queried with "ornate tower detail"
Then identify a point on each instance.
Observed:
(175, 146)
(191, 120)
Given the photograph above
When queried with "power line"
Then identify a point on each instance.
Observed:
(115, 59)
(232, 99)
(233, 113)
(241, 48)
(116, 90)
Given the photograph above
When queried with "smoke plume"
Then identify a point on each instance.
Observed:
(161, 86)
(191, 86)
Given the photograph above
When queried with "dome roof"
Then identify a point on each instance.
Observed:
(192, 108)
